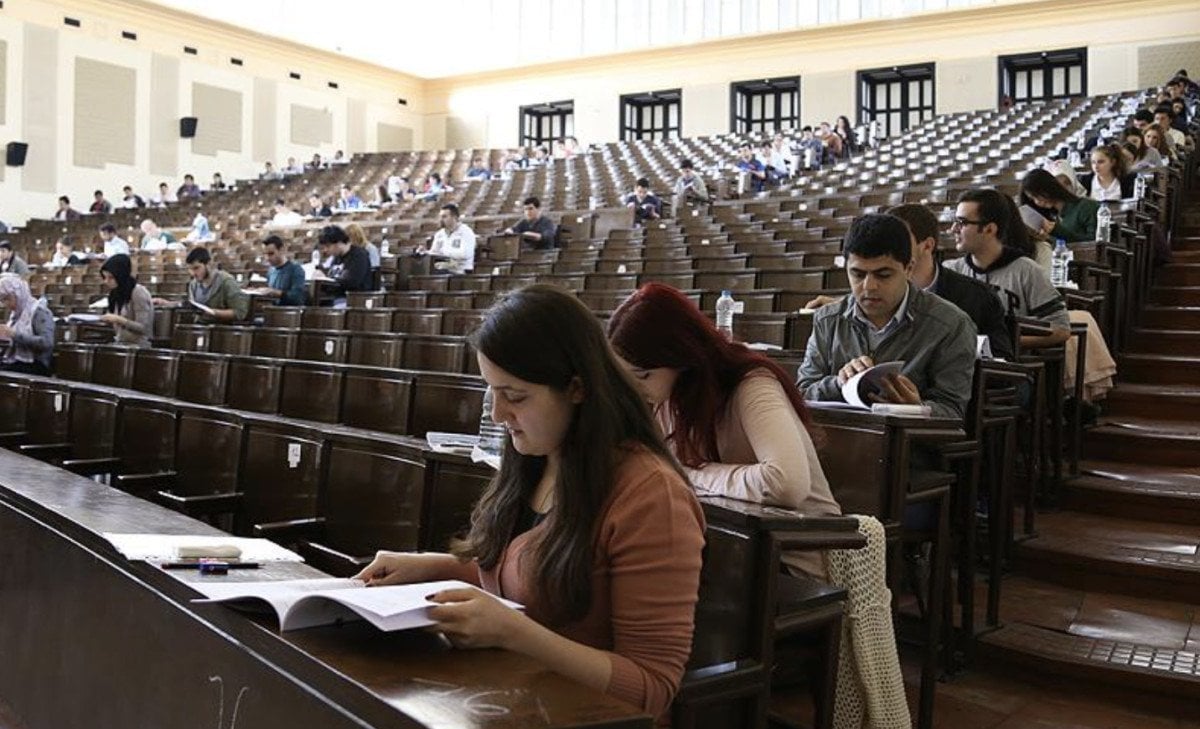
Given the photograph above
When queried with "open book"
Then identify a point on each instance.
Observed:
(857, 392)
(1032, 218)
(312, 603)
(201, 307)
(84, 318)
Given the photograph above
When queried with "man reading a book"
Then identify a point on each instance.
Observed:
(215, 289)
(886, 319)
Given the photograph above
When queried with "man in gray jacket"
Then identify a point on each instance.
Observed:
(888, 319)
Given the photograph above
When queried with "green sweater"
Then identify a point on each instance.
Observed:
(1077, 221)
(224, 293)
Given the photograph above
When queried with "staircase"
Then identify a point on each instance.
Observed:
(1108, 592)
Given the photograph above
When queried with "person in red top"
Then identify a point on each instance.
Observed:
(590, 522)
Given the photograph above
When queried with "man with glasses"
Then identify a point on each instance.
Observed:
(983, 220)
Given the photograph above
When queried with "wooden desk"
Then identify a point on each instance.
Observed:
(90, 639)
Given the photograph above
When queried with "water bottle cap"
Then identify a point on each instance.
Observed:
(724, 292)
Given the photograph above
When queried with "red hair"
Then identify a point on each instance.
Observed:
(658, 326)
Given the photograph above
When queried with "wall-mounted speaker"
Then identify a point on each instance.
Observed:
(14, 154)
(187, 127)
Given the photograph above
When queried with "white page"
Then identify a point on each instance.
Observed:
(163, 547)
(451, 442)
(101, 303)
(84, 318)
(855, 390)
(201, 307)
(1033, 219)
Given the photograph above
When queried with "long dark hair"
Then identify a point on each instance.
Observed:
(658, 326)
(121, 268)
(544, 335)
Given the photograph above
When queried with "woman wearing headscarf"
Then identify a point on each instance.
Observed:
(130, 309)
(27, 339)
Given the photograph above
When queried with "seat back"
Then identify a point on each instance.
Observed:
(274, 343)
(322, 345)
(145, 437)
(73, 362)
(855, 460)
(280, 475)
(320, 318)
(434, 354)
(113, 366)
(47, 413)
(191, 337)
(208, 450)
(14, 397)
(232, 340)
(378, 399)
(202, 378)
(376, 349)
(373, 494)
(446, 403)
(156, 371)
(254, 384)
(454, 484)
(93, 423)
(312, 391)
(283, 317)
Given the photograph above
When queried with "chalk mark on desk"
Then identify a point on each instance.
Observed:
(237, 704)
(483, 704)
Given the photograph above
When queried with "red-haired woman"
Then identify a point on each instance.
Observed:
(732, 416)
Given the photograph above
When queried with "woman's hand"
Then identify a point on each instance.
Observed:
(402, 568)
(114, 319)
(6, 332)
(472, 618)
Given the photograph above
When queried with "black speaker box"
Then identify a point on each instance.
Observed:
(187, 127)
(14, 154)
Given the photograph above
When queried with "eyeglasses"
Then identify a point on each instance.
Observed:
(961, 222)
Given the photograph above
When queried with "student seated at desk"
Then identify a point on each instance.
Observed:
(130, 308)
(454, 241)
(886, 318)
(213, 288)
(731, 415)
(285, 278)
(351, 267)
(27, 339)
(65, 255)
(534, 228)
(589, 523)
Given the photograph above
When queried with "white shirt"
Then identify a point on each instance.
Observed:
(287, 217)
(116, 245)
(458, 245)
(1101, 193)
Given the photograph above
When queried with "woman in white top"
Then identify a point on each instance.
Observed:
(1110, 178)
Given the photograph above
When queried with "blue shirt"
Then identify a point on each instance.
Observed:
(288, 278)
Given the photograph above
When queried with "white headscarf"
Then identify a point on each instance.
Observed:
(21, 317)
(1063, 168)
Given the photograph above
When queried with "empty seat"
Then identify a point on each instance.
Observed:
(320, 318)
(283, 317)
(253, 384)
(156, 371)
(232, 340)
(376, 398)
(434, 354)
(377, 349)
(275, 343)
(322, 346)
(113, 365)
(73, 362)
(202, 378)
(311, 391)
(446, 403)
(369, 320)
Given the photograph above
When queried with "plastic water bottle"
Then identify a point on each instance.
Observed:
(1139, 188)
(316, 257)
(1073, 158)
(1103, 224)
(384, 247)
(725, 307)
(491, 434)
(1059, 264)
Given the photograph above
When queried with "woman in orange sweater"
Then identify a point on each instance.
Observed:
(590, 522)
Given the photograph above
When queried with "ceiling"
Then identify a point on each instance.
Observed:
(456, 37)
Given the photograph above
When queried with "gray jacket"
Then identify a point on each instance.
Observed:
(936, 342)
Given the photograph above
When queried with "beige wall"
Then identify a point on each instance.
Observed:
(964, 44)
(40, 92)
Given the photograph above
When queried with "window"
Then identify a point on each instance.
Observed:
(1046, 75)
(770, 105)
(544, 123)
(898, 97)
(651, 115)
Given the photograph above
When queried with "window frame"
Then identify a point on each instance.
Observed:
(742, 118)
(872, 80)
(646, 104)
(1009, 66)
(554, 120)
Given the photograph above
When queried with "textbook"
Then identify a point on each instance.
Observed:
(1032, 218)
(201, 307)
(312, 603)
(857, 392)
